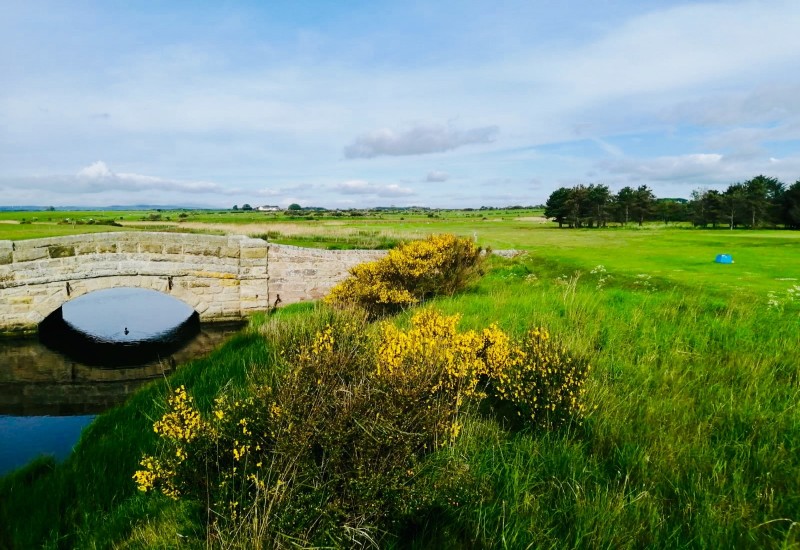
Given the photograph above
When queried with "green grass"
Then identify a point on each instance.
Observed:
(693, 439)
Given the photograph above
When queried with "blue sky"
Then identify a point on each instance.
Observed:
(351, 104)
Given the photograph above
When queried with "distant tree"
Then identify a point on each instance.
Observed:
(556, 206)
(706, 208)
(790, 211)
(246, 206)
(643, 203)
(51, 208)
(735, 201)
(235, 207)
(599, 198)
(670, 210)
(294, 206)
(757, 193)
(578, 206)
(775, 192)
(624, 203)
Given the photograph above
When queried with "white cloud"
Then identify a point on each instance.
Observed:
(98, 178)
(418, 140)
(97, 170)
(677, 172)
(299, 188)
(437, 176)
(362, 187)
(667, 168)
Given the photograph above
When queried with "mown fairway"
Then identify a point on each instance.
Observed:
(694, 435)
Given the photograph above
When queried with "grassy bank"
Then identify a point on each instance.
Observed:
(693, 438)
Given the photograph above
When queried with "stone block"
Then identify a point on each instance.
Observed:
(30, 254)
(88, 248)
(253, 253)
(229, 251)
(106, 248)
(151, 248)
(6, 252)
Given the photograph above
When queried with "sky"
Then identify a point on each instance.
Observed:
(349, 104)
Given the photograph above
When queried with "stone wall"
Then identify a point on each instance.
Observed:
(297, 274)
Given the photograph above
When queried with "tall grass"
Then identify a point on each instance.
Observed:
(695, 435)
(693, 439)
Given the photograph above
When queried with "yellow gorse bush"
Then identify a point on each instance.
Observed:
(536, 377)
(434, 350)
(178, 427)
(541, 379)
(338, 437)
(410, 273)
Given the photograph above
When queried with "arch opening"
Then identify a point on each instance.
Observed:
(119, 327)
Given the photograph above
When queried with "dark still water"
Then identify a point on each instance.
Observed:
(47, 397)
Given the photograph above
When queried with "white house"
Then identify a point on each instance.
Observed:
(269, 208)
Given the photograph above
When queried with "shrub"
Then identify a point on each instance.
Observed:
(409, 274)
(538, 379)
(341, 446)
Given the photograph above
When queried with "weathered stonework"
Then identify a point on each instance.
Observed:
(298, 274)
(222, 278)
(37, 276)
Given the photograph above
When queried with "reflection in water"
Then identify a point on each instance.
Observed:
(47, 398)
(35, 380)
(125, 314)
(119, 327)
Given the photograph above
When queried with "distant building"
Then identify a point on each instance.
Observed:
(269, 208)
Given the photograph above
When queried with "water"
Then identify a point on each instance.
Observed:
(119, 327)
(26, 437)
(47, 397)
(125, 314)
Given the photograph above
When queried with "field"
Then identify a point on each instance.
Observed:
(693, 439)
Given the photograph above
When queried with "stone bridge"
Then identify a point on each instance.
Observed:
(222, 278)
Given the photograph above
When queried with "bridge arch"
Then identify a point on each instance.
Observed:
(222, 278)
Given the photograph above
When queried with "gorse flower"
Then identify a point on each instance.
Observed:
(409, 274)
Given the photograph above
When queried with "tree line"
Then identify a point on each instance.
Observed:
(759, 202)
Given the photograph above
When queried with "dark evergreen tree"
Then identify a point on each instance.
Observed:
(735, 202)
(599, 198)
(643, 203)
(790, 211)
(556, 206)
(624, 204)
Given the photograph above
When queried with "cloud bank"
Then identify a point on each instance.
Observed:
(361, 187)
(437, 176)
(418, 140)
(98, 178)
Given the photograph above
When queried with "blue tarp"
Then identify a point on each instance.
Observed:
(724, 259)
